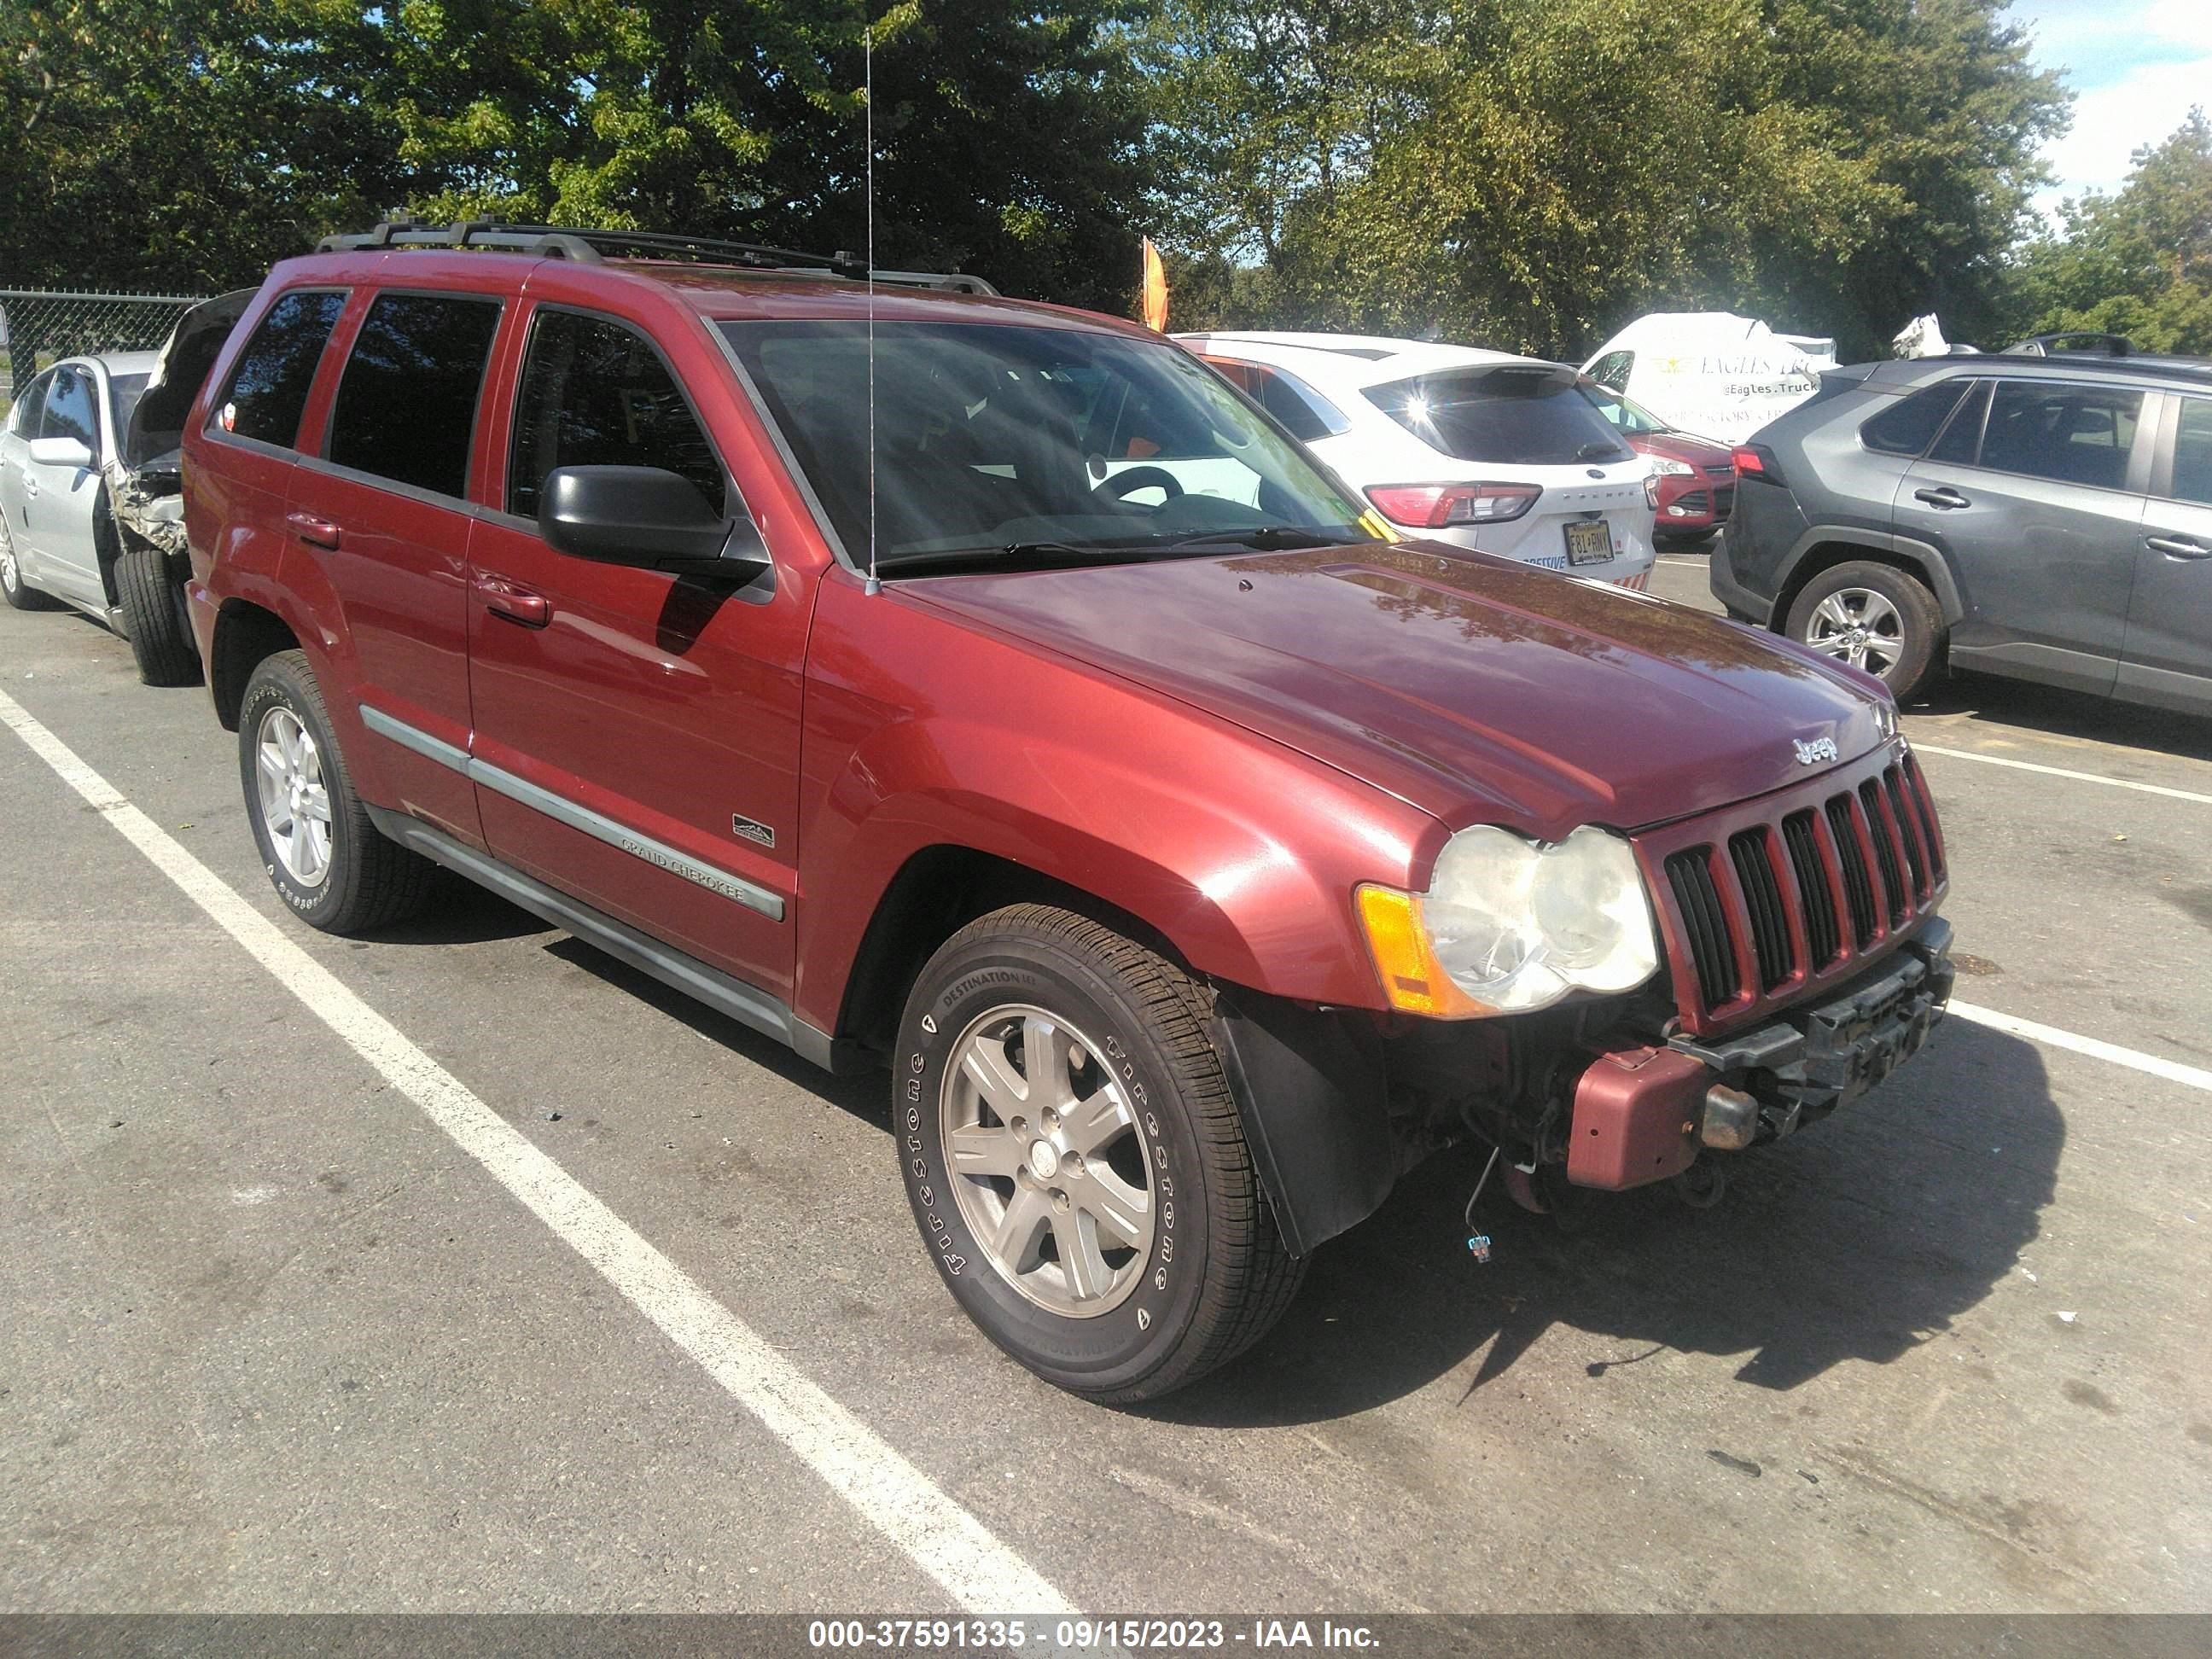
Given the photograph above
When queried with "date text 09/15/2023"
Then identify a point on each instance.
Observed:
(959, 1635)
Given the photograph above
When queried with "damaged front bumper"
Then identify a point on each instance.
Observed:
(1644, 1114)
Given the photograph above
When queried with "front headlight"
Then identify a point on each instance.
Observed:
(1509, 925)
(1667, 469)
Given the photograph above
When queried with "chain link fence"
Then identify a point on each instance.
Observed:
(39, 328)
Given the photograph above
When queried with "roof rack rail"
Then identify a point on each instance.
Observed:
(593, 246)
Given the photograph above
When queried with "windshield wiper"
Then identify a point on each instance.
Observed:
(1007, 555)
(1267, 538)
(1598, 450)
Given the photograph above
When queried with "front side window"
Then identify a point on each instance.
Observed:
(1531, 416)
(1612, 369)
(2192, 453)
(69, 409)
(2076, 434)
(406, 407)
(1027, 441)
(23, 419)
(1907, 426)
(596, 393)
(269, 388)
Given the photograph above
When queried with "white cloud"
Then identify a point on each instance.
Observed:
(2137, 69)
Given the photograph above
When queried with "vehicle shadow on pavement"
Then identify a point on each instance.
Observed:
(1967, 703)
(459, 912)
(1856, 1240)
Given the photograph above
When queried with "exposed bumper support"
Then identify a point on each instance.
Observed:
(1641, 1115)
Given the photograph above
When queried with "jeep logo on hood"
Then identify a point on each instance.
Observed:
(1819, 749)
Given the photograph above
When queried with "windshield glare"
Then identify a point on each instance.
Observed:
(1630, 416)
(990, 437)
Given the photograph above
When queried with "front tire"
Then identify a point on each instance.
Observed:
(1075, 1161)
(323, 854)
(19, 593)
(1874, 617)
(153, 618)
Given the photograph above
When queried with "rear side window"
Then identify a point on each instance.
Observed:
(407, 404)
(596, 393)
(1303, 412)
(2192, 453)
(69, 409)
(2077, 435)
(1909, 425)
(1962, 441)
(1515, 416)
(269, 388)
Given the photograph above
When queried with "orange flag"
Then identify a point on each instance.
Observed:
(1155, 289)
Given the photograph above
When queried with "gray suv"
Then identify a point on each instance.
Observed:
(2048, 518)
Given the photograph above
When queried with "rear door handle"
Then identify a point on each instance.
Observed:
(2178, 547)
(316, 532)
(503, 599)
(1943, 495)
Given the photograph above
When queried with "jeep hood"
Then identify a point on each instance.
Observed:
(1473, 688)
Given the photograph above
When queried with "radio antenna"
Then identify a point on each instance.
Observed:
(868, 91)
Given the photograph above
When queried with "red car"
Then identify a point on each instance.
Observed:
(993, 694)
(1697, 475)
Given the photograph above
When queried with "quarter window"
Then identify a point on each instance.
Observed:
(2077, 435)
(407, 405)
(69, 409)
(596, 393)
(1906, 426)
(269, 388)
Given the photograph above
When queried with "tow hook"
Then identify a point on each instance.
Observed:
(1702, 1185)
(1730, 1121)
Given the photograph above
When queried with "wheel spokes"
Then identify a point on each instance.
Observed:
(1081, 1262)
(1019, 1238)
(981, 1149)
(1002, 1087)
(1124, 1211)
(1044, 1059)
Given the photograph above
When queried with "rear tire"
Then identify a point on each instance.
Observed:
(19, 593)
(1876, 617)
(1105, 1226)
(1687, 542)
(325, 857)
(155, 619)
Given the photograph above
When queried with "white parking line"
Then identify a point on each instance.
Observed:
(2095, 1047)
(2061, 772)
(940, 1536)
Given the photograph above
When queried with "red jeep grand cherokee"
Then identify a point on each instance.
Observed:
(1193, 858)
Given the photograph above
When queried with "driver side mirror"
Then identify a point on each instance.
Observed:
(648, 517)
(60, 452)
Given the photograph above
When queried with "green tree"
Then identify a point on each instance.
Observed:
(1531, 173)
(2137, 261)
(180, 144)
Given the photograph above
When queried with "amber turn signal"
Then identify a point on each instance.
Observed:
(1413, 978)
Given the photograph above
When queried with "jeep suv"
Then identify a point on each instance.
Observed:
(1192, 865)
(2043, 516)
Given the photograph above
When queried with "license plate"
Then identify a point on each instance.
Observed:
(1589, 543)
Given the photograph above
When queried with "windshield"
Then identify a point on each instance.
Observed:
(1532, 417)
(1629, 416)
(124, 392)
(997, 440)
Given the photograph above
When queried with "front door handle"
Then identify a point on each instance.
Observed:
(504, 598)
(2178, 547)
(316, 532)
(1943, 495)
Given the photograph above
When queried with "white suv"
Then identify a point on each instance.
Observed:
(1507, 455)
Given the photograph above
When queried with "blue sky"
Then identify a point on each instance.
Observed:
(2135, 66)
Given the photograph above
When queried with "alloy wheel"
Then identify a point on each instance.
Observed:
(295, 803)
(1046, 1161)
(1857, 626)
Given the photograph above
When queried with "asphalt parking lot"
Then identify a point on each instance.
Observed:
(280, 1337)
